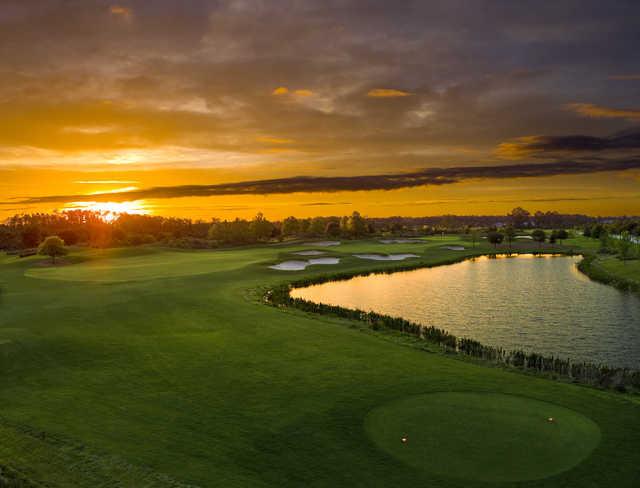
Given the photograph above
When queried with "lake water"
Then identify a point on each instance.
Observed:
(537, 303)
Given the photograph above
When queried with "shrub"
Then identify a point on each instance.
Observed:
(52, 246)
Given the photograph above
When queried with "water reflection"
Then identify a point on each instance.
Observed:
(539, 303)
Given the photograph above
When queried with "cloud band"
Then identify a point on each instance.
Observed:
(310, 184)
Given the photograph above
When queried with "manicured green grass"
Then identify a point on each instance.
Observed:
(628, 270)
(162, 368)
(483, 436)
(147, 266)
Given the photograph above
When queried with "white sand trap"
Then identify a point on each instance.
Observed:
(524, 237)
(324, 261)
(386, 257)
(290, 266)
(309, 253)
(323, 243)
(300, 265)
(454, 248)
(401, 241)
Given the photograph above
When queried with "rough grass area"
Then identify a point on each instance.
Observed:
(148, 367)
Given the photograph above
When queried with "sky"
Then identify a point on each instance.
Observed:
(223, 109)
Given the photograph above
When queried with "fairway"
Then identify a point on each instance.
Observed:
(147, 367)
(145, 266)
(483, 436)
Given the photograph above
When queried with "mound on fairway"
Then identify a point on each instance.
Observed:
(483, 436)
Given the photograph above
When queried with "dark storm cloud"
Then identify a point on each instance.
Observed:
(432, 176)
(202, 74)
(574, 143)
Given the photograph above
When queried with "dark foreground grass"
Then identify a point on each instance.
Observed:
(154, 368)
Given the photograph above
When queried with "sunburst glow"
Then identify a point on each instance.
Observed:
(111, 210)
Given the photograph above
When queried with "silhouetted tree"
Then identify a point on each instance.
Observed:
(603, 235)
(509, 235)
(518, 217)
(495, 238)
(316, 228)
(290, 226)
(261, 228)
(31, 235)
(356, 225)
(70, 237)
(624, 246)
(561, 235)
(52, 246)
(596, 230)
(474, 237)
(539, 236)
(332, 229)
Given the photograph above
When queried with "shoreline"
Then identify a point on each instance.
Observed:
(623, 380)
(589, 267)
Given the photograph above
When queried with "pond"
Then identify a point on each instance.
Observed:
(536, 303)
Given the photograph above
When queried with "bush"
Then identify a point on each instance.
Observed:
(495, 238)
(191, 243)
(54, 247)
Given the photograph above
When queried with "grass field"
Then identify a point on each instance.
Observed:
(628, 270)
(150, 367)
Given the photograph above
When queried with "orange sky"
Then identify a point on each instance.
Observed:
(601, 194)
(136, 95)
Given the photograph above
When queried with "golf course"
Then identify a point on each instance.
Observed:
(148, 366)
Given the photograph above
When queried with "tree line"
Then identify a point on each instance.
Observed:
(621, 238)
(89, 228)
(27, 232)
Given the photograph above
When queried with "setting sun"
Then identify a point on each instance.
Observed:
(110, 211)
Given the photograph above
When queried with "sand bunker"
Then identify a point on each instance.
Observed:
(309, 253)
(400, 241)
(300, 265)
(453, 248)
(323, 243)
(386, 257)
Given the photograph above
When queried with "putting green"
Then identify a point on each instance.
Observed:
(483, 436)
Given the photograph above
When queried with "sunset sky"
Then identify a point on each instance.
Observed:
(226, 108)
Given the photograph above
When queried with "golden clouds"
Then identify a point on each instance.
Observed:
(387, 93)
(283, 90)
(374, 93)
(120, 11)
(595, 111)
(274, 140)
(97, 129)
(520, 148)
